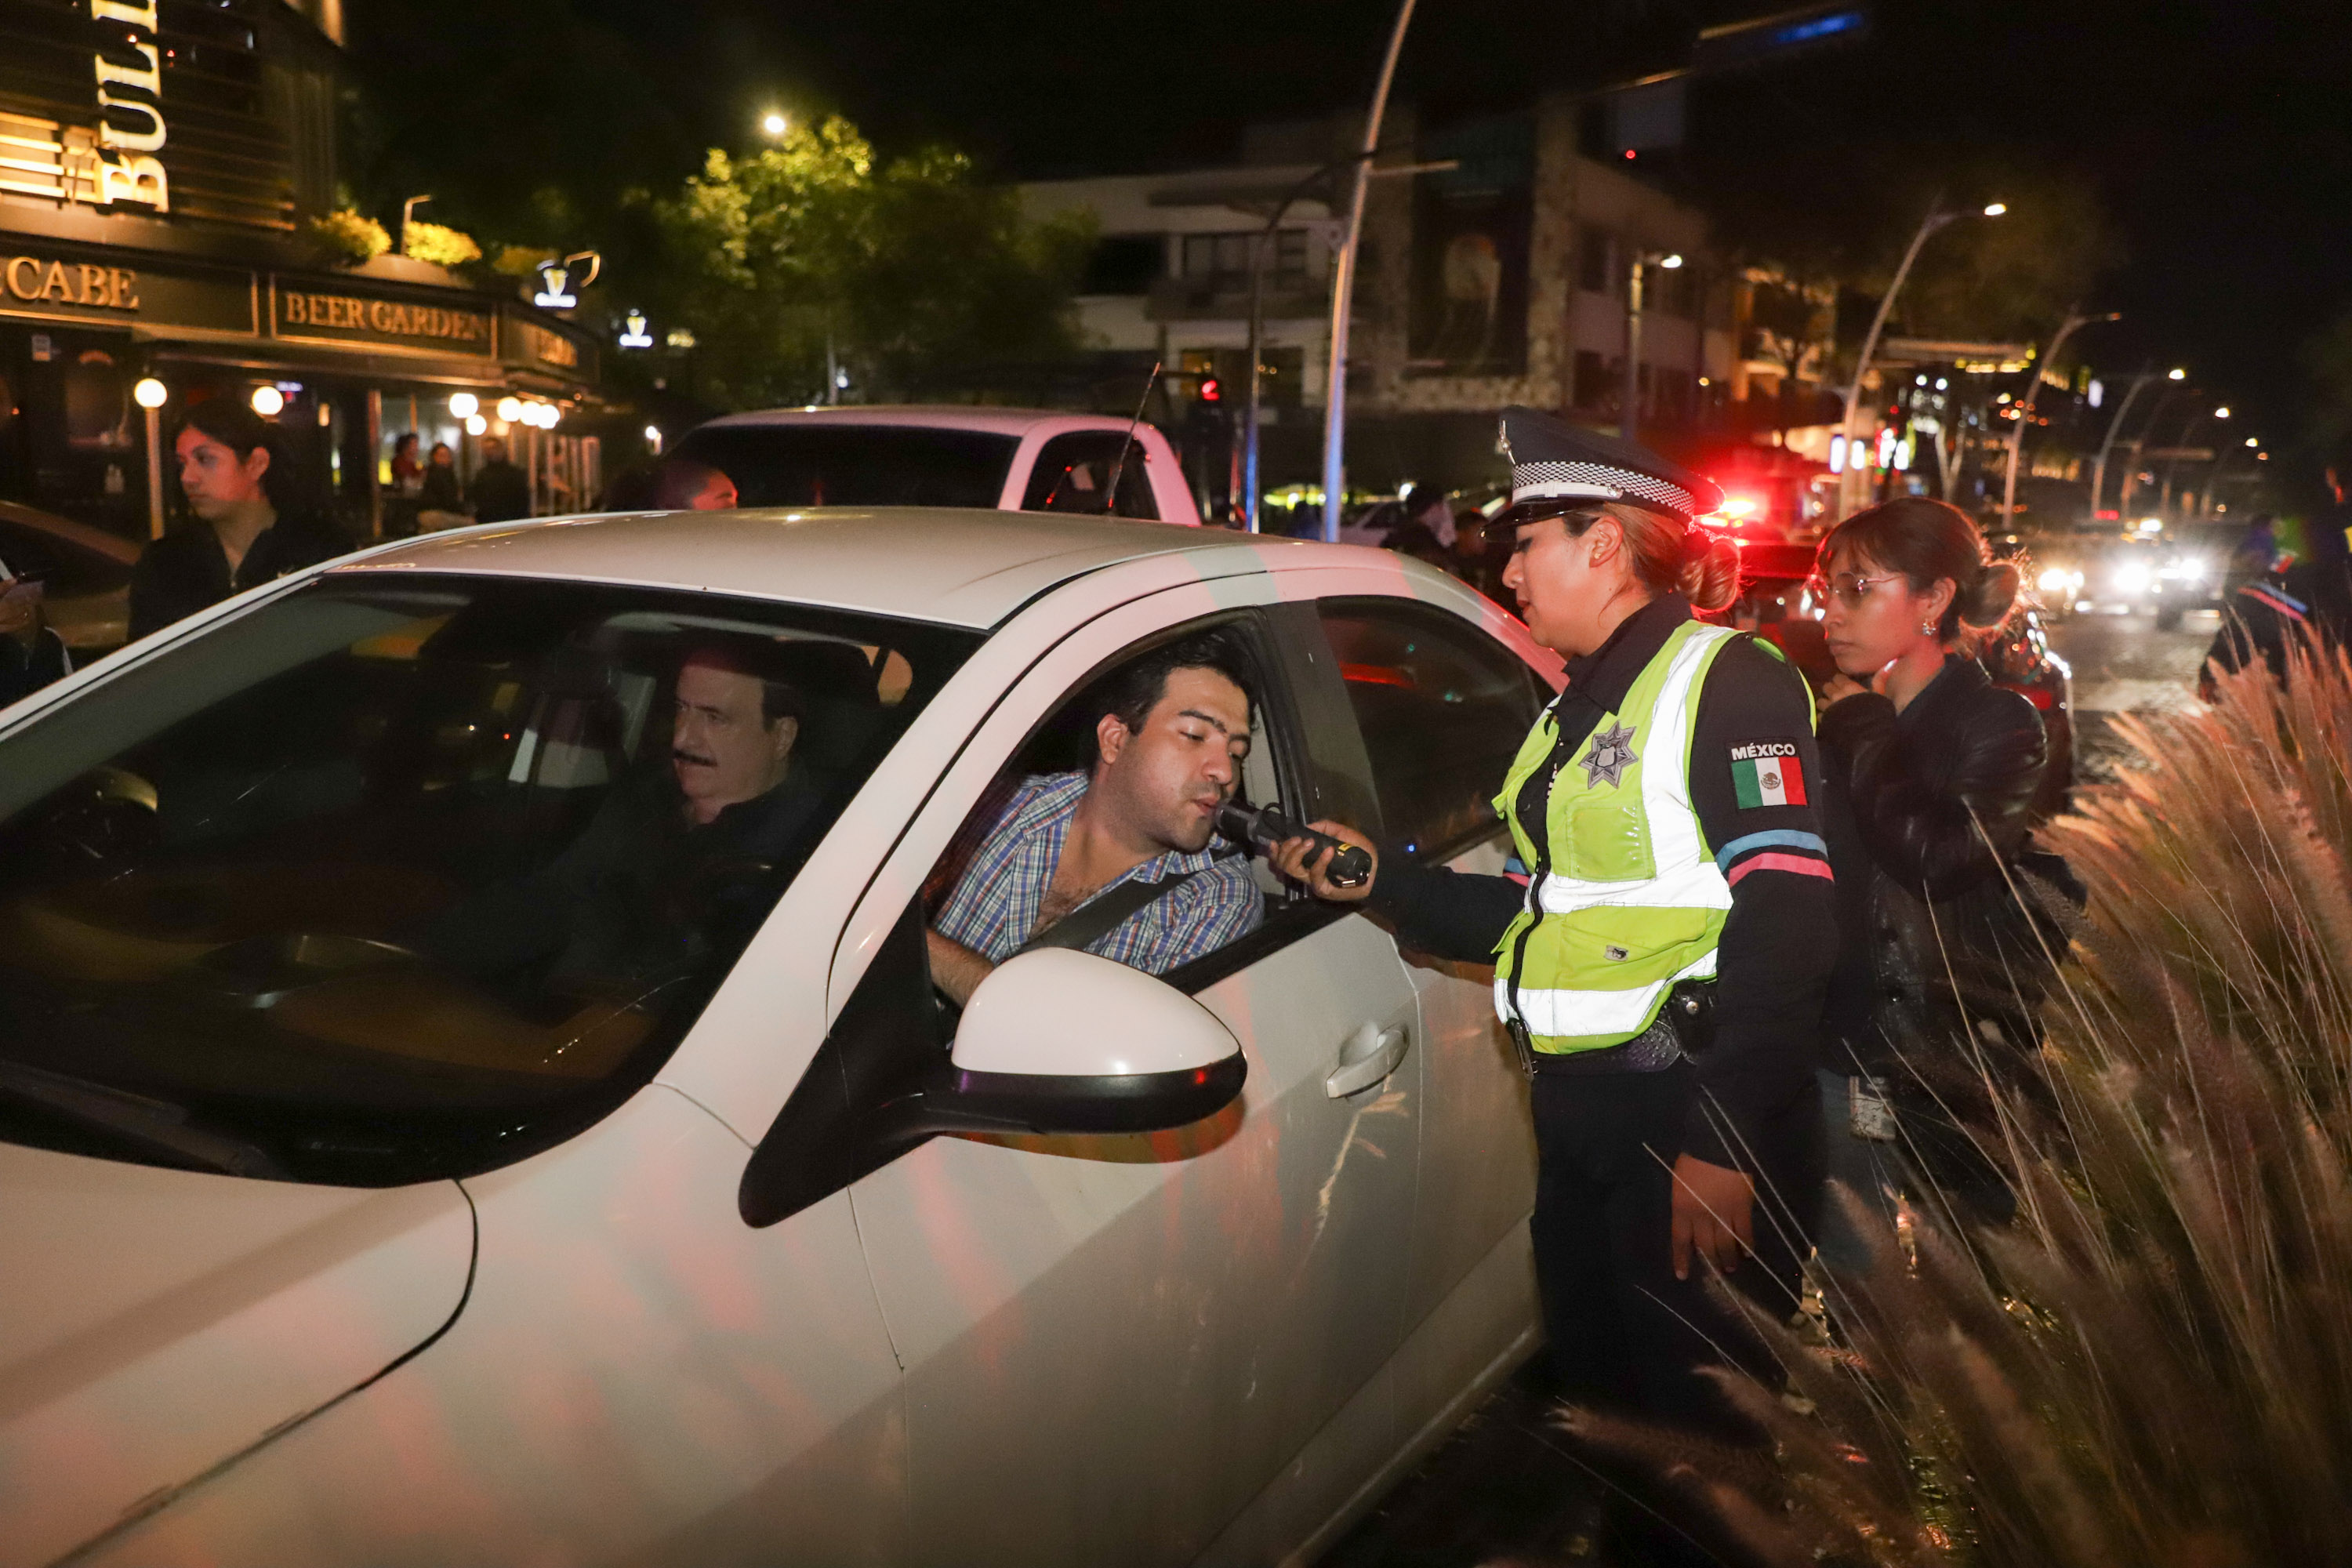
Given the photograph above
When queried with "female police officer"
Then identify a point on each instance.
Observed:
(1662, 970)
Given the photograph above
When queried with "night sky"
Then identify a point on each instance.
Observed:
(2219, 135)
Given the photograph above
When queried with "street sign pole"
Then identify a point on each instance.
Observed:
(1343, 289)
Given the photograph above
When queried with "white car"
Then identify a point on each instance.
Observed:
(328, 1239)
(1014, 459)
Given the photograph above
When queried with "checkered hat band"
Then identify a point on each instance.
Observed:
(1548, 481)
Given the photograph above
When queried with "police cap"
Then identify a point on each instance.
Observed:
(1555, 466)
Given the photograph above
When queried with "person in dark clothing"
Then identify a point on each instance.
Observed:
(2310, 595)
(1662, 970)
(501, 491)
(249, 527)
(672, 864)
(1932, 772)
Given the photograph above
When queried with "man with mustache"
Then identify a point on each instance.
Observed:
(674, 862)
(1174, 726)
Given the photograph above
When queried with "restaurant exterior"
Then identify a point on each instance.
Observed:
(158, 160)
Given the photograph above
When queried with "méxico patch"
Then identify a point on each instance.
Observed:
(1767, 773)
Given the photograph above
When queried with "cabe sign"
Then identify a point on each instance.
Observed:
(385, 324)
(34, 280)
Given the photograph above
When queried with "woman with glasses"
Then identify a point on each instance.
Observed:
(1659, 966)
(1932, 774)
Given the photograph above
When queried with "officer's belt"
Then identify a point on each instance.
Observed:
(1684, 1027)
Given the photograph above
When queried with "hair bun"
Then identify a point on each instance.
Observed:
(1992, 594)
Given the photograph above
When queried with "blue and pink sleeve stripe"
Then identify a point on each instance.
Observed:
(1783, 849)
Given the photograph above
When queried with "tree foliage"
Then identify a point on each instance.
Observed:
(2012, 278)
(909, 270)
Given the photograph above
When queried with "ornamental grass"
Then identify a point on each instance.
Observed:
(2153, 1364)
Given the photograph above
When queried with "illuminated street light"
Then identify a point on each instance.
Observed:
(151, 393)
(2176, 373)
(268, 402)
(1936, 219)
(653, 436)
(1671, 262)
(774, 123)
(463, 405)
(510, 409)
(2222, 413)
(2251, 442)
(476, 424)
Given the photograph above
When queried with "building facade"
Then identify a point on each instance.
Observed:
(1495, 268)
(158, 163)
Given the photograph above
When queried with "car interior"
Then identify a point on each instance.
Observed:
(221, 923)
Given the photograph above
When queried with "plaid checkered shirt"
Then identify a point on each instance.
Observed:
(993, 908)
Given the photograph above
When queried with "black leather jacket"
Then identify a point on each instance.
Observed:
(1926, 809)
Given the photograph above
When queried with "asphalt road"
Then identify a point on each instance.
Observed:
(2122, 664)
(1505, 1491)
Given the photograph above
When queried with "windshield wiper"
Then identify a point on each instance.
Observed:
(157, 1125)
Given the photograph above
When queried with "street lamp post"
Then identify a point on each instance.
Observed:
(2164, 496)
(1629, 395)
(151, 395)
(2139, 444)
(1936, 218)
(1343, 289)
(407, 216)
(2099, 464)
(2025, 411)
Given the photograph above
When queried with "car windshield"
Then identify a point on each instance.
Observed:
(383, 882)
(856, 464)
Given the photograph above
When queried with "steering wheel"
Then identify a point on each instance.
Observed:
(106, 816)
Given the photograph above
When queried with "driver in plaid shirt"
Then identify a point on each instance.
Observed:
(1169, 754)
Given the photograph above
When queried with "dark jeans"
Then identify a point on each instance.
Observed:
(1625, 1332)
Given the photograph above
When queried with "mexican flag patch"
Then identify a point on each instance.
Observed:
(1767, 773)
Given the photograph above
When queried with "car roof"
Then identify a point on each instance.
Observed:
(96, 540)
(934, 417)
(970, 568)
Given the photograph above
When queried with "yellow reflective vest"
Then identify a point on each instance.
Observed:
(1624, 896)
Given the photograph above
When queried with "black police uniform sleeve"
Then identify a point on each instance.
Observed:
(1447, 914)
(1780, 940)
(1939, 837)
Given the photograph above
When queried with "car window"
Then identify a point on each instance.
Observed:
(67, 568)
(1443, 708)
(382, 882)
(856, 465)
(1073, 470)
(990, 892)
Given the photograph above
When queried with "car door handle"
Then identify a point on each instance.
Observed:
(1371, 1054)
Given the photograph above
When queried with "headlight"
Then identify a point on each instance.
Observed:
(2052, 578)
(2193, 570)
(2132, 579)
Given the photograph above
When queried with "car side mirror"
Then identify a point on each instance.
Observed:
(1054, 1041)
(1062, 1041)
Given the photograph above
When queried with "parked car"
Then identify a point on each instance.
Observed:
(1776, 603)
(1014, 459)
(331, 1239)
(85, 575)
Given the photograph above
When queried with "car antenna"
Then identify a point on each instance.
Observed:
(1118, 469)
